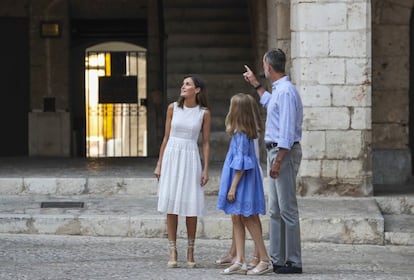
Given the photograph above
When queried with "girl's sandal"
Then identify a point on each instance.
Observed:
(252, 264)
(236, 268)
(262, 268)
(226, 260)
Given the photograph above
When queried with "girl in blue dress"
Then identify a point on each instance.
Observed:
(241, 187)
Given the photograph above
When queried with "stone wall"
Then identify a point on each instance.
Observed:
(331, 66)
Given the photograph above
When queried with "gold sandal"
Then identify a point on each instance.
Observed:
(190, 249)
(173, 255)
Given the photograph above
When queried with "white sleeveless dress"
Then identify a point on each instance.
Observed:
(179, 190)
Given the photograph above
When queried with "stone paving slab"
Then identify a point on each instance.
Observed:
(337, 220)
(40, 257)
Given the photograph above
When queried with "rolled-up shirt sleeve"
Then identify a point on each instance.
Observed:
(264, 100)
(287, 119)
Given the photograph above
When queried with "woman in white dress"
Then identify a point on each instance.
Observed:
(179, 170)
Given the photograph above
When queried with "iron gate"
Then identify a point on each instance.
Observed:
(115, 96)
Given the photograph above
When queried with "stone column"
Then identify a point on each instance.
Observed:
(278, 21)
(49, 125)
(331, 67)
(155, 56)
(392, 92)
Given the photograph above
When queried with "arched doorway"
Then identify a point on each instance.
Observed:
(115, 100)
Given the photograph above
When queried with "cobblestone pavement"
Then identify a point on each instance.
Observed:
(36, 257)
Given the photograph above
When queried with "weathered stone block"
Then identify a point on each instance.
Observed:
(323, 71)
(361, 118)
(140, 186)
(358, 13)
(40, 185)
(108, 185)
(310, 168)
(359, 72)
(11, 185)
(144, 227)
(350, 169)
(310, 44)
(343, 144)
(348, 43)
(70, 186)
(49, 134)
(329, 168)
(104, 225)
(326, 118)
(344, 225)
(313, 144)
(56, 224)
(321, 186)
(396, 205)
(319, 16)
(319, 96)
(12, 223)
(351, 96)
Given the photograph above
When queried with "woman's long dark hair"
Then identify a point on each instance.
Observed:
(201, 97)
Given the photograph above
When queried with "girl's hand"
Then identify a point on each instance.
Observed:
(231, 195)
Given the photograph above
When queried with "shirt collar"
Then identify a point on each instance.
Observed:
(283, 79)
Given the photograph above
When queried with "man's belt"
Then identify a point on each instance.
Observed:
(274, 145)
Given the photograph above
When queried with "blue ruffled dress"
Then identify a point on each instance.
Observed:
(250, 199)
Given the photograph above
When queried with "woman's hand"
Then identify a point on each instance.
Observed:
(204, 178)
(157, 171)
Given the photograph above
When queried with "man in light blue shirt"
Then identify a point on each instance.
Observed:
(283, 133)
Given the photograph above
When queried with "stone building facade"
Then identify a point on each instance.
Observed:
(350, 60)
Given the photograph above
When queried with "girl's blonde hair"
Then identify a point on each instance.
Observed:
(243, 116)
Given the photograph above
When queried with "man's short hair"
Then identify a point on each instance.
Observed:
(277, 59)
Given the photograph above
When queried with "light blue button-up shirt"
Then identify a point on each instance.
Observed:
(284, 114)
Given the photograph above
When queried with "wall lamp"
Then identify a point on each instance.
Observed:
(50, 29)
